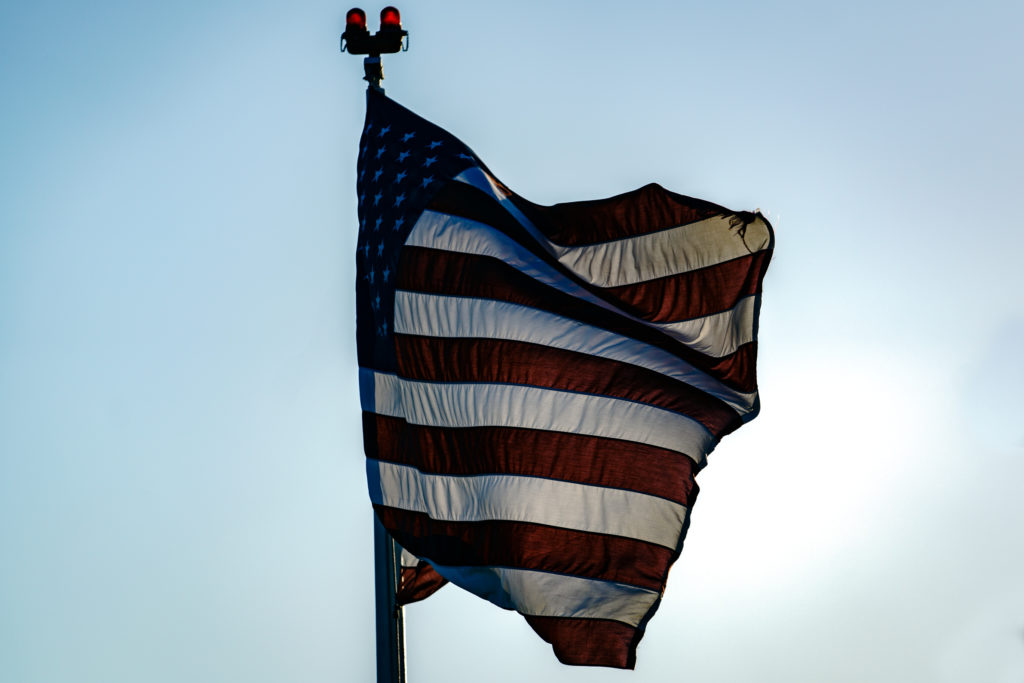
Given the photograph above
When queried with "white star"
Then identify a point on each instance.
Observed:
(408, 136)
(403, 156)
(427, 180)
(383, 131)
(400, 177)
(399, 199)
(429, 162)
(435, 144)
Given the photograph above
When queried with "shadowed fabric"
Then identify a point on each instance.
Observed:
(417, 581)
(541, 384)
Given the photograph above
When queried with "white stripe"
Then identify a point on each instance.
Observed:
(553, 595)
(720, 334)
(715, 335)
(407, 559)
(432, 315)
(536, 500)
(449, 404)
(666, 252)
(644, 257)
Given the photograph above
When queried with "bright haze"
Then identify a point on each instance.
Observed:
(182, 486)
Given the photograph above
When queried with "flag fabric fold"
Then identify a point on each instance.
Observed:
(416, 580)
(541, 384)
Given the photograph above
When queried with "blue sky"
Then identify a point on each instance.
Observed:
(182, 490)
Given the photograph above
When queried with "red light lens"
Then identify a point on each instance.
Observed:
(356, 18)
(390, 18)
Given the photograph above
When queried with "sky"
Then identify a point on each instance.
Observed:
(182, 487)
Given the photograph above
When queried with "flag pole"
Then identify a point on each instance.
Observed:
(390, 616)
(386, 553)
(357, 40)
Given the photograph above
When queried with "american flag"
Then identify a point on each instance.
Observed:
(540, 384)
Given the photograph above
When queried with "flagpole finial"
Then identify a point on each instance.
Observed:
(391, 38)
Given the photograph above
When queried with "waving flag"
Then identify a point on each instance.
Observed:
(540, 384)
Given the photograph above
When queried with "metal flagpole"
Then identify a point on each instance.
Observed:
(390, 617)
(357, 40)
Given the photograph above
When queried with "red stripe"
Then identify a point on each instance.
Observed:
(591, 460)
(521, 545)
(589, 642)
(687, 295)
(447, 273)
(648, 209)
(441, 359)
(417, 583)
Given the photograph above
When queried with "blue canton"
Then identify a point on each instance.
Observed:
(403, 161)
